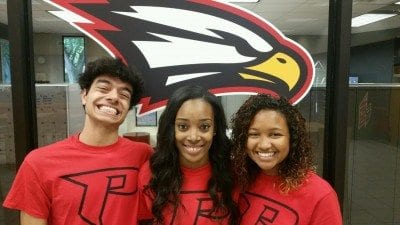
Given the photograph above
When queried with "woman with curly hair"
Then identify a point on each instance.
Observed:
(188, 179)
(273, 164)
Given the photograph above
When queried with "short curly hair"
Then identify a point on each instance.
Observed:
(293, 170)
(114, 68)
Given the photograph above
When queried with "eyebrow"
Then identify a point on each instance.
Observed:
(201, 120)
(103, 81)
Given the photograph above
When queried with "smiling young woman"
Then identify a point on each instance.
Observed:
(188, 179)
(273, 166)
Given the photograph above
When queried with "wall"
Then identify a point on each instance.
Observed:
(374, 36)
(231, 104)
(48, 58)
(313, 43)
(129, 125)
(373, 63)
(48, 50)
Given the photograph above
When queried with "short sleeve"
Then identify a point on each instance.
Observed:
(327, 211)
(145, 198)
(27, 193)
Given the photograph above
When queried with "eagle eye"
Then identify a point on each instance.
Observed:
(282, 60)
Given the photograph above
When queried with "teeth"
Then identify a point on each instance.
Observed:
(108, 110)
(265, 154)
(193, 148)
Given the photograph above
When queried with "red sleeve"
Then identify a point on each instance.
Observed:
(327, 211)
(148, 151)
(28, 193)
(145, 199)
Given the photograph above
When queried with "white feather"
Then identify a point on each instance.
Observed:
(178, 78)
(73, 18)
(196, 22)
(181, 51)
(70, 17)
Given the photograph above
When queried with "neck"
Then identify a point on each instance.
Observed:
(98, 136)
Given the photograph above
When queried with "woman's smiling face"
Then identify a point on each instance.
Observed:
(268, 140)
(194, 131)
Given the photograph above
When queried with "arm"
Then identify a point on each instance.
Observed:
(145, 215)
(27, 219)
(327, 211)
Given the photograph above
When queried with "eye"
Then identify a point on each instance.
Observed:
(125, 95)
(276, 135)
(102, 89)
(253, 135)
(182, 126)
(205, 127)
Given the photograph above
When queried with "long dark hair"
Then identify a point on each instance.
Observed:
(294, 168)
(166, 181)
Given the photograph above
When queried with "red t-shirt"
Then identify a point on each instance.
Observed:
(194, 198)
(71, 183)
(313, 203)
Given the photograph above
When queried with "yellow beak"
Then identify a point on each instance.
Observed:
(279, 65)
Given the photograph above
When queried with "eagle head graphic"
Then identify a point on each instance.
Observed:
(221, 47)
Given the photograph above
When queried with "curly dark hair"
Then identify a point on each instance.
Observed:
(293, 170)
(114, 68)
(166, 181)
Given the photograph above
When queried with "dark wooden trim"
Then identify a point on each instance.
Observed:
(335, 141)
(3, 31)
(22, 77)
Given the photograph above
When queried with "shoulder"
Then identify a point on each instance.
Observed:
(40, 154)
(315, 179)
(37, 162)
(327, 208)
(317, 184)
(138, 145)
(139, 148)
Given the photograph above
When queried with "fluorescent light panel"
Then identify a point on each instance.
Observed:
(398, 3)
(369, 18)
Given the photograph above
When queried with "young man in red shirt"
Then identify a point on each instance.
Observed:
(90, 177)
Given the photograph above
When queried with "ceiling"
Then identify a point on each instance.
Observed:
(292, 17)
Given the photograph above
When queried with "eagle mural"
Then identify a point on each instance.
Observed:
(178, 42)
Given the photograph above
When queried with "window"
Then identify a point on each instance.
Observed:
(74, 58)
(5, 62)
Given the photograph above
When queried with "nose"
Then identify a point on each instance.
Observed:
(193, 135)
(112, 95)
(265, 143)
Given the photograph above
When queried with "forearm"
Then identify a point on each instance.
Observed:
(27, 219)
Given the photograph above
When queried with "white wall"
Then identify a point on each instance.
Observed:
(48, 56)
(129, 125)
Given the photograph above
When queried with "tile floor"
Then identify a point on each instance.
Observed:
(374, 184)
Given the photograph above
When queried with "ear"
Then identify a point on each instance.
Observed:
(83, 96)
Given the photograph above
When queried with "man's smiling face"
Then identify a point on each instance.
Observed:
(107, 101)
